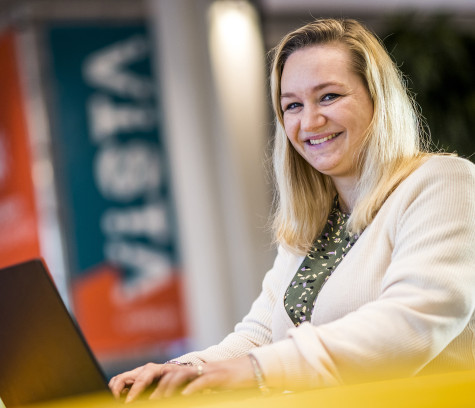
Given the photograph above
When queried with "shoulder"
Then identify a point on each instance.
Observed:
(444, 166)
(451, 173)
(442, 186)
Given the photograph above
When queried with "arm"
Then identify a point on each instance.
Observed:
(255, 328)
(253, 331)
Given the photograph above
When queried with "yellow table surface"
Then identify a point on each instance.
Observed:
(443, 390)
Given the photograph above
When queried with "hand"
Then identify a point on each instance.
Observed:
(228, 374)
(135, 382)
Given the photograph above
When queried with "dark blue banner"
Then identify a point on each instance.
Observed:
(115, 184)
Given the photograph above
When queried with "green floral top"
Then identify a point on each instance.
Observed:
(328, 251)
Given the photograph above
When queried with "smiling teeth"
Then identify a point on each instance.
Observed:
(324, 139)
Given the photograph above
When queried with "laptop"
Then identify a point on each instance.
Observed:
(43, 355)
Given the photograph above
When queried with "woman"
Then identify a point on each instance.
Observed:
(374, 276)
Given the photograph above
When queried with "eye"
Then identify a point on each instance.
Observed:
(291, 106)
(329, 97)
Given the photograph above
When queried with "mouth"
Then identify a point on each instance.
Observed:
(314, 142)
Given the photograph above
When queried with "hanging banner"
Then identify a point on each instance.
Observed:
(19, 239)
(115, 188)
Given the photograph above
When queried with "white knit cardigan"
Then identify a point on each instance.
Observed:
(400, 303)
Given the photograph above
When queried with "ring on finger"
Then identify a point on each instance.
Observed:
(199, 370)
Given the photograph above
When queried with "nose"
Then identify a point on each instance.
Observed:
(312, 119)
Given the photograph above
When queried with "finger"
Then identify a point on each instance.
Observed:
(167, 373)
(115, 387)
(172, 381)
(120, 382)
(144, 379)
(206, 381)
(177, 382)
(138, 387)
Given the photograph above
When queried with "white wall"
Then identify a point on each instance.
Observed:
(216, 130)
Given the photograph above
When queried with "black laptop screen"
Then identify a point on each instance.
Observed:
(43, 355)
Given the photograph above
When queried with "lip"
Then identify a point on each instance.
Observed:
(320, 137)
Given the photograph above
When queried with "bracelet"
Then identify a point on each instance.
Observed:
(177, 363)
(258, 376)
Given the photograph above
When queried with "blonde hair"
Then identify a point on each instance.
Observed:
(392, 147)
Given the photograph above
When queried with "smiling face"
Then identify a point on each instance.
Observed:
(326, 109)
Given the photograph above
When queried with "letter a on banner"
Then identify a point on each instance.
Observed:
(116, 190)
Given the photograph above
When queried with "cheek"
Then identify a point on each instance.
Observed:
(363, 124)
(290, 128)
(295, 147)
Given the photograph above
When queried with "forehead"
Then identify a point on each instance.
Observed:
(329, 61)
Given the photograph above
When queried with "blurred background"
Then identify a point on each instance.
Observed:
(135, 138)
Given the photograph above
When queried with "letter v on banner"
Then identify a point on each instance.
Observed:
(123, 252)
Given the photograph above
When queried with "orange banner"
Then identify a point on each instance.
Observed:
(113, 321)
(19, 239)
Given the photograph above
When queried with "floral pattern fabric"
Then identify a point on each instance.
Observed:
(327, 252)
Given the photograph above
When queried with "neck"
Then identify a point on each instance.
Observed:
(345, 188)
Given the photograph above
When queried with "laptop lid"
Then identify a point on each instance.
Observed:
(43, 355)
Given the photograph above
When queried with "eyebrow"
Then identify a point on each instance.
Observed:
(315, 88)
